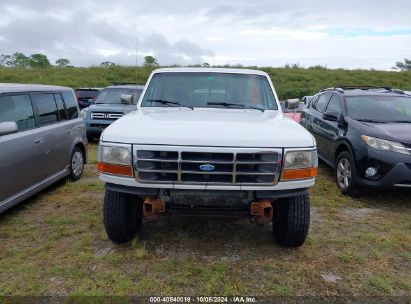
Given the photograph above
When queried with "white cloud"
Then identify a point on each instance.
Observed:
(264, 32)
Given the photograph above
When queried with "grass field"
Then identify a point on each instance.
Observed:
(289, 82)
(55, 244)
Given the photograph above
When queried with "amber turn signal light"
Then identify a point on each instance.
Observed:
(305, 173)
(115, 169)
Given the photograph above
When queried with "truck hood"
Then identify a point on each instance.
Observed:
(208, 127)
(111, 108)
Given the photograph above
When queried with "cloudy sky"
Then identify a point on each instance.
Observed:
(348, 34)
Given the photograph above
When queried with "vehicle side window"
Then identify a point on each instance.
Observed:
(46, 108)
(312, 101)
(334, 104)
(321, 103)
(60, 107)
(71, 104)
(17, 108)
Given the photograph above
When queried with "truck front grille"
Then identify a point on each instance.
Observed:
(192, 167)
(105, 116)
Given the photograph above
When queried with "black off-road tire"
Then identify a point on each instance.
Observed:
(291, 220)
(353, 189)
(123, 214)
(77, 162)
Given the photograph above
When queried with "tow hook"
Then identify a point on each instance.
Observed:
(152, 207)
(262, 211)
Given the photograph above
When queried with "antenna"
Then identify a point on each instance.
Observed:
(136, 59)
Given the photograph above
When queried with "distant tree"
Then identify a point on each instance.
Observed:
(62, 62)
(20, 60)
(292, 66)
(403, 66)
(5, 60)
(107, 64)
(39, 61)
(206, 65)
(150, 61)
(318, 67)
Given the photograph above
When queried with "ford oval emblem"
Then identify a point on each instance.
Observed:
(207, 167)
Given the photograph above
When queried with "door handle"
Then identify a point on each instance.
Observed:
(68, 131)
(38, 140)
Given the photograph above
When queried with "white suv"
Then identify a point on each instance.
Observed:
(207, 141)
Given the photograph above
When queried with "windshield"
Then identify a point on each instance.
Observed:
(113, 96)
(379, 108)
(211, 90)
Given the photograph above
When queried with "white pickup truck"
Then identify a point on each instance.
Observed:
(209, 142)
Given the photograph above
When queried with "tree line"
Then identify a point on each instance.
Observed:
(38, 60)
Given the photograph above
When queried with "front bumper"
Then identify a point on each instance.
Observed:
(394, 169)
(398, 176)
(95, 128)
(131, 182)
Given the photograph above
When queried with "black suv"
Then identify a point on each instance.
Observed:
(364, 133)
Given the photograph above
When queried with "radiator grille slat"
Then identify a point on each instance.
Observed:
(103, 115)
(186, 167)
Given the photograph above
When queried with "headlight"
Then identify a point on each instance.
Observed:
(114, 160)
(83, 114)
(298, 159)
(300, 165)
(384, 145)
(115, 155)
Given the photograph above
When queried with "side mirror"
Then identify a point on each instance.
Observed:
(331, 116)
(91, 100)
(8, 127)
(292, 103)
(126, 99)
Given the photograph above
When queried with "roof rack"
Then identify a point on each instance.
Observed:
(343, 88)
(333, 89)
(364, 87)
(123, 83)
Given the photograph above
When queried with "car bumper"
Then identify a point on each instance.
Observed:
(398, 176)
(395, 169)
(131, 182)
(96, 128)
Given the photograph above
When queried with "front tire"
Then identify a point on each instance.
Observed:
(345, 176)
(123, 214)
(291, 220)
(76, 164)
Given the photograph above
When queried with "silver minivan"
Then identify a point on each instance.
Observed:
(42, 140)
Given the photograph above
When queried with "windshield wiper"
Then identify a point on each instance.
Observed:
(400, 121)
(169, 102)
(230, 105)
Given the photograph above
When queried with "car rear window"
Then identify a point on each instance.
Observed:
(86, 94)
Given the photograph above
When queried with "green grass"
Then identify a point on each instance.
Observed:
(381, 282)
(289, 82)
(55, 244)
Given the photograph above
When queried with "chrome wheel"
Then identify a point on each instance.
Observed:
(344, 173)
(77, 163)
